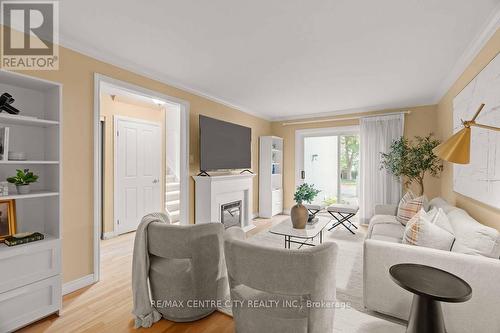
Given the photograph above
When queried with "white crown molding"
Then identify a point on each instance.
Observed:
(366, 109)
(492, 24)
(116, 61)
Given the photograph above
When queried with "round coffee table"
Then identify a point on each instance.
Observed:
(430, 286)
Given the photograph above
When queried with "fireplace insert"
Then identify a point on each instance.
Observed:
(230, 214)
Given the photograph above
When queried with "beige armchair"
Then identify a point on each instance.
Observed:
(273, 290)
(187, 271)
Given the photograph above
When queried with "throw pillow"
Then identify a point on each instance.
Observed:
(441, 220)
(408, 207)
(422, 231)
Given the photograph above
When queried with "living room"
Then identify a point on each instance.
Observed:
(336, 167)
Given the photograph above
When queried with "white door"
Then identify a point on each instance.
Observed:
(137, 172)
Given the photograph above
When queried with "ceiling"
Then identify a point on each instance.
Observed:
(285, 59)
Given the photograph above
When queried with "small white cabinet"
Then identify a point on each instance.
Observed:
(270, 176)
(24, 305)
(30, 274)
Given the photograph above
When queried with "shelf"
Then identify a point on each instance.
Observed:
(26, 121)
(28, 162)
(276, 174)
(32, 194)
(4, 248)
(277, 150)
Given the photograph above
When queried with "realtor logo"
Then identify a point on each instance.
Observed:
(30, 35)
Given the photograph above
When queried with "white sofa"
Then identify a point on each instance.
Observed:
(474, 257)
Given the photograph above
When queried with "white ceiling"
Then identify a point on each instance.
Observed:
(289, 58)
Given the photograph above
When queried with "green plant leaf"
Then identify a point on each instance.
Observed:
(23, 177)
(305, 192)
(412, 159)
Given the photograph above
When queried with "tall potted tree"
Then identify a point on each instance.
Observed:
(299, 214)
(413, 160)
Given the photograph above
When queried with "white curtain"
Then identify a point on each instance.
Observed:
(377, 186)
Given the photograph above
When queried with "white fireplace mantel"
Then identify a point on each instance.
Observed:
(214, 191)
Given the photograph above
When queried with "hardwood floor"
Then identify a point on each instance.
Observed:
(106, 306)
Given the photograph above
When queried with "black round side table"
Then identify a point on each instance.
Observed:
(430, 286)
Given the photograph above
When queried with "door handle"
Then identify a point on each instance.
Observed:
(155, 181)
(303, 174)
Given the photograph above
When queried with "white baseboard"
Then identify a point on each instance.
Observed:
(74, 285)
(109, 235)
(249, 227)
(286, 211)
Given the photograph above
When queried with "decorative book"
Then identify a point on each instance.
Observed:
(4, 143)
(313, 221)
(23, 238)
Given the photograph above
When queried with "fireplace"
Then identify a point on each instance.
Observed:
(230, 214)
(219, 190)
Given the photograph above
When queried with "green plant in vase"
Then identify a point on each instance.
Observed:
(23, 180)
(299, 213)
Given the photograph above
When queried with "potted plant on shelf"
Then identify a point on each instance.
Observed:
(22, 180)
(299, 213)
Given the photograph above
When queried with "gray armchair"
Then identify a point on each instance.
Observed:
(272, 289)
(186, 265)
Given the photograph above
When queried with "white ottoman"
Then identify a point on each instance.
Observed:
(343, 215)
(314, 209)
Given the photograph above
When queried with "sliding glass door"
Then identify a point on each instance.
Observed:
(329, 159)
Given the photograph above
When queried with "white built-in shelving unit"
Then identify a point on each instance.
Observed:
(270, 176)
(30, 274)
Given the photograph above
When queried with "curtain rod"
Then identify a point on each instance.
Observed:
(341, 119)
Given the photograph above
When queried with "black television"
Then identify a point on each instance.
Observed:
(224, 145)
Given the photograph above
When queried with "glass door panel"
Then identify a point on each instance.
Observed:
(349, 169)
(321, 167)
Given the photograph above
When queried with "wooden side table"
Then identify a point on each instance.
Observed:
(430, 286)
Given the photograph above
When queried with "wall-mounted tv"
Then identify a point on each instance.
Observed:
(224, 145)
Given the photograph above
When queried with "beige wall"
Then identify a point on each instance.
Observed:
(485, 214)
(76, 74)
(421, 121)
(132, 109)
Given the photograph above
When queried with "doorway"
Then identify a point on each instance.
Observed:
(328, 158)
(140, 154)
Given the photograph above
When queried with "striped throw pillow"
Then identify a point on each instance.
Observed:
(408, 207)
(423, 230)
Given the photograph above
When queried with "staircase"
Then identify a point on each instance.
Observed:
(172, 197)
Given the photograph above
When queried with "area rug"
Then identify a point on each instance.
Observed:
(354, 318)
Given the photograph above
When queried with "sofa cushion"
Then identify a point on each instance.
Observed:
(473, 237)
(387, 238)
(408, 207)
(385, 227)
(440, 219)
(439, 202)
(422, 230)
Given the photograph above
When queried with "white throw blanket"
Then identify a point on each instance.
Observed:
(145, 314)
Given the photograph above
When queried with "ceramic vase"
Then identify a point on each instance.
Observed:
(299, 216)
